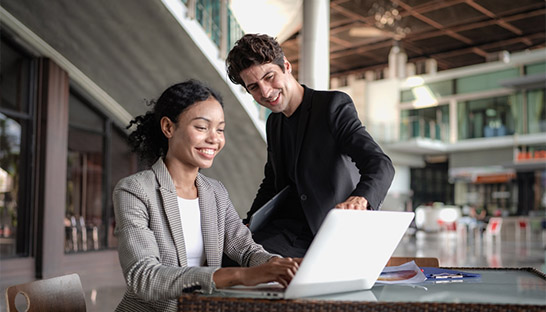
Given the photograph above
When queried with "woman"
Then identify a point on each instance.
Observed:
(173, 224)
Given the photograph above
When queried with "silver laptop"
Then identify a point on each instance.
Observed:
(348, 253)
(261, 217)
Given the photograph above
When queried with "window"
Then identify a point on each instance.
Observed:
(431, 122)
(16, 134)
(436, 89)
(536, 111)
(538, 68)
(94, 146)
(431, 184)
(484, 82)
(488, 117)
(124, 163)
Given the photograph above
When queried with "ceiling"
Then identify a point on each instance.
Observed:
(453, 32)
(133, 50)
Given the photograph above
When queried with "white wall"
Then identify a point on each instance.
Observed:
(382, 115)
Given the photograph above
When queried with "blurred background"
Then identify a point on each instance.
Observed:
(452, 90)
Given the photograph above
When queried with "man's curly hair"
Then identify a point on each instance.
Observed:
(252, 49)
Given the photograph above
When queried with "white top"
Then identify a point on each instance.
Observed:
(191, 226)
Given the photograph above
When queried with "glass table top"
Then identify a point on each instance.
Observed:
(494, 286)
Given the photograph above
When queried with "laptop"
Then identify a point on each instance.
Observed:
(261, 217)
(348, 253)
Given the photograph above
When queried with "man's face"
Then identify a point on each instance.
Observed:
(270, 86)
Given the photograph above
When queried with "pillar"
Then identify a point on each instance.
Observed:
(314, 70)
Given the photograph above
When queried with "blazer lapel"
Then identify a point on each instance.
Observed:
(209, 222)
(170, 206)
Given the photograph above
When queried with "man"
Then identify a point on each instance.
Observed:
(315, 144)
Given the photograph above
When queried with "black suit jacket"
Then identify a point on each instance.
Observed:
(335, 158)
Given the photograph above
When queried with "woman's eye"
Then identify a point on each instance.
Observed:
(200, 128)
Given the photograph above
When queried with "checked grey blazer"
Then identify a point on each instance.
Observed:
(151, 243)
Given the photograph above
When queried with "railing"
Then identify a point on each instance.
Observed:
(234, 30)
(419, 127)
(209, 14)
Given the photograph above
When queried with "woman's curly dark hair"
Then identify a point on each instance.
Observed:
(147, 140)
(252, 49)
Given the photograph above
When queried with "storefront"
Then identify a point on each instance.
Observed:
(502, 181)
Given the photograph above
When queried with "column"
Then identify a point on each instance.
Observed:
(51, 151)
(314, 70)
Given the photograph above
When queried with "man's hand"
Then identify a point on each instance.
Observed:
(354, 203)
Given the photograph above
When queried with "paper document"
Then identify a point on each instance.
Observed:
(407, 273)
(439, 274)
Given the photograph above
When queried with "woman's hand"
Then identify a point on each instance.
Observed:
(280, 270)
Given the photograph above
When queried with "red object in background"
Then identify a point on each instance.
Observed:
(447, 226)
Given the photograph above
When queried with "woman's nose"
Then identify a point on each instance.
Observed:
(214, 136)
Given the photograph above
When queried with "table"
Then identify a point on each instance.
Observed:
(504, 289)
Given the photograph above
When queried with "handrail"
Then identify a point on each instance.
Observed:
(209, 15)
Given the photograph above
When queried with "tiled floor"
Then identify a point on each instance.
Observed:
(451, 248)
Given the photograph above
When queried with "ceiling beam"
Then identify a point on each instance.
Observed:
(440, 57)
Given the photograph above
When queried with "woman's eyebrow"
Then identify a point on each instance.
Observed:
(207, 120)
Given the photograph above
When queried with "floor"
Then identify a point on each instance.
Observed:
(452, 248)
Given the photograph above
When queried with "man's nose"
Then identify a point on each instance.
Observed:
(265, 90)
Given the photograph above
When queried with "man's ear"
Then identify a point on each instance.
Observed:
(287, 65)
(167, 127)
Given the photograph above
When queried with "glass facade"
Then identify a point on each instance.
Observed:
(536, 111)
(431, 123)
(431, 184)
(489, 117)
(522, 112)
(95, 145)
(494, 198)
(537, 68)
(436, 89)
(483, 115)
(483, 82)
(16, 124)
(84, 187)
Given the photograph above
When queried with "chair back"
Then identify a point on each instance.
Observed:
(428, 262)
(494, 226)
(59, 294)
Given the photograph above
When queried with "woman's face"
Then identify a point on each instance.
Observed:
(198, 136)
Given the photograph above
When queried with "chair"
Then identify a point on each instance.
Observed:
(493, 229)
(429, 262)
(59, 294)
(523, 224)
